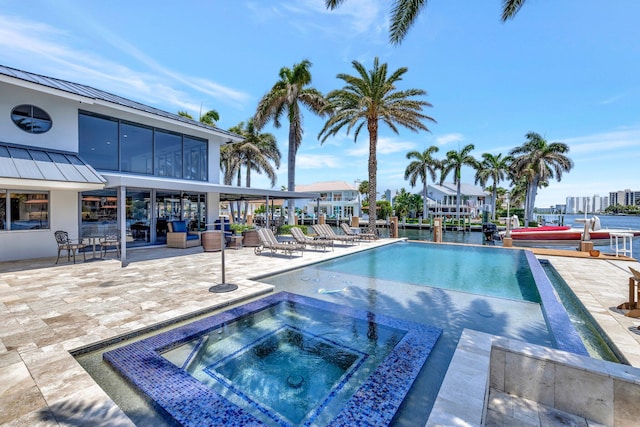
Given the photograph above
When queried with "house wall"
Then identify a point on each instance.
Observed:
(23, 244)
(63, 135)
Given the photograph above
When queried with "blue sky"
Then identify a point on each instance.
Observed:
(567, 70)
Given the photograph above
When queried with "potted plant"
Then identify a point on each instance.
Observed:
(249, 233)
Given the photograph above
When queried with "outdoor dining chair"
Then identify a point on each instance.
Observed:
(110, 240)
(69, 245)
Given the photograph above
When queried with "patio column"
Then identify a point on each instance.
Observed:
(122, 221)
(266, 213)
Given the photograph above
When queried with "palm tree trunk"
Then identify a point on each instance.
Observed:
(239, 184)
(246, 203)
(372, 126)
(494, 194)
(458, 197)
(425, 206)
(291, 168)
(532, 198)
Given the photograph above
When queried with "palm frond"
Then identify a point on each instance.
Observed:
(403, 16)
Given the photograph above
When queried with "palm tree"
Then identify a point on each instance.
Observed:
(256, 152)
(210, 117)
(405, 12)
(285, 97)
(539, 161)
(454, 162)
(230, 164)
(495, 168)
(366, 99)
(423, 166)
(401, 203)
(363, 189)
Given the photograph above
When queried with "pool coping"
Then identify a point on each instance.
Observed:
(190, 402)
(594, 389)
(562, 330)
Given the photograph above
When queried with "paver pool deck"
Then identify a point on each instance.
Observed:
(48, 310)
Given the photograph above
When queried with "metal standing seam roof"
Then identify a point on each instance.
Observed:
(97, 94)
(39, 164)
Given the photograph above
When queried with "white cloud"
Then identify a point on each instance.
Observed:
(613, 99)
(604, 143)
(21, 40)
(362, 15)
(317, 161)
(449, 138)
(385, 146)
(350, 19)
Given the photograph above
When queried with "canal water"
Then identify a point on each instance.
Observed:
(476, 237)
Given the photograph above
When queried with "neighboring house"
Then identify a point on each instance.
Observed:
(338, 199)
(474, 198)
(79, 159)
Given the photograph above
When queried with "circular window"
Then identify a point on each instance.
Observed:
(31, 119)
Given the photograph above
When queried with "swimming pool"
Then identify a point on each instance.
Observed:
(285, 360)
(544, 322)
(452, 311)
(475, 269)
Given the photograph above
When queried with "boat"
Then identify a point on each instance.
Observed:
(564, 235)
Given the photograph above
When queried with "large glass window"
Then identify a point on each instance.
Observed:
(138, 217)
(111, 144)
(21, 210)
(168, 208)
(136, 149)
(3, 210)
(194, 211)
(195, 159)
(99, 212)
(31, 119)
(99, 141)
(168, 154)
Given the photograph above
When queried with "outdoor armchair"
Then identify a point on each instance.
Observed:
(179, 237)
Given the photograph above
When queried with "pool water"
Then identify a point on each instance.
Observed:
(595, 340)
(410, 387)
(481, 270)
(422, 288)
(282, 360)
(313, 367)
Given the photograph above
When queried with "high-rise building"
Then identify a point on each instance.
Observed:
(625, 198)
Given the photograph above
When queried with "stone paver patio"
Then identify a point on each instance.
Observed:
(47, 311)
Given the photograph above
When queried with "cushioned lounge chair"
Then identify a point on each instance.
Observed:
(326, 232)
(269, 241)
(359, 236)
(179, 237)
(300, 238)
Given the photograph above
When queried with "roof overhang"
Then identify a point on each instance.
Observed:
(40, 184)
(23, 167)
(227, 192)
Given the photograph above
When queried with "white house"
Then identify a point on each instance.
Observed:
(338, 199)
(474, 198)
(78, 159)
